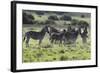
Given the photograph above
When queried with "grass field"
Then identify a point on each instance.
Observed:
(48, 52)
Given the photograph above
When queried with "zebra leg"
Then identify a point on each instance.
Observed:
(52, 41)
(84, 40)
(55, 41)
(60, 42)
(27, 42)
(40, 42)
(64, 42)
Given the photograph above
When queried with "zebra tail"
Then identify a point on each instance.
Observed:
(24, 38)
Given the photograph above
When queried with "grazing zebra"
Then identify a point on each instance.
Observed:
(58, 37)
(52, 30)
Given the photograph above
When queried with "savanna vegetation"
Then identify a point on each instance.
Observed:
(36, 20)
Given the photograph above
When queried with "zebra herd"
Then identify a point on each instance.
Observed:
(57, 36)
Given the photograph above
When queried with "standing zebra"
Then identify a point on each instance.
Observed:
(35, 35)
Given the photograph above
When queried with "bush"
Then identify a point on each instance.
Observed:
(60, 13)
(34, 22)
(62, 58)
(49, 22)
(82, 16)
(74, 22)
(53, 18)
(64, 17)
(27, 18)
(39, 13)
